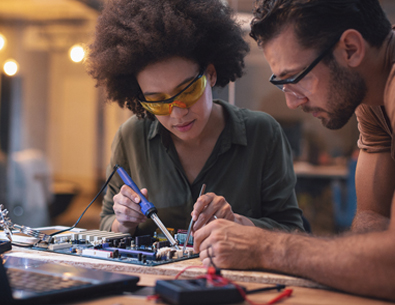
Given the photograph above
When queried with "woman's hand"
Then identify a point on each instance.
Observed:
(127, 210)
(210, 206)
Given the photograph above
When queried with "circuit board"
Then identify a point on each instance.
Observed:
(119, 247)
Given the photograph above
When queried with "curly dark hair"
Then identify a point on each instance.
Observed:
(318, 22)
(131, 34)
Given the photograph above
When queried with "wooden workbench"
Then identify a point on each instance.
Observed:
(305, 291)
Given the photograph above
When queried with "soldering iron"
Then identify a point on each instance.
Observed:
(148, 209)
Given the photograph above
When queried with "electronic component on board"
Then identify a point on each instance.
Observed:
(144, 240)
(59, 246)
(181, 237)
(161, 237)
(97, 253)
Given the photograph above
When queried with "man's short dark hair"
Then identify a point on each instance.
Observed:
(131, 34)
(317, 23)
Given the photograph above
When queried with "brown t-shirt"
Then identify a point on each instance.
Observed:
(376, 123)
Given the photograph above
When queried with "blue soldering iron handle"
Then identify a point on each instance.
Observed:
(146, 207)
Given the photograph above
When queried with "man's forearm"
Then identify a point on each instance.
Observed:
(369, 221)
(357, 263)
(345, 263)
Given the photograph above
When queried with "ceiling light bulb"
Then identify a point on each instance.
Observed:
(77, 53)
(10, 67)
(2, 41)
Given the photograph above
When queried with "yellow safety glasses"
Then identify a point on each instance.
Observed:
(162, 104)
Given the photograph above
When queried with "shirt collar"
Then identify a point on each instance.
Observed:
(154, 129)
(235, 122)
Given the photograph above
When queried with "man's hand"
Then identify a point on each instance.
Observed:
(230, 245)
(127, 210)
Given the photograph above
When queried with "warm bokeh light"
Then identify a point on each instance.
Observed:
(77, 53)
(2, 41)
(10, 67)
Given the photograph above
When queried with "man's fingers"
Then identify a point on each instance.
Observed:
(199, 236)
(209, 234)
(207, 256)
(206, 262)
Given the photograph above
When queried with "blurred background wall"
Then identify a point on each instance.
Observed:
(52, 114)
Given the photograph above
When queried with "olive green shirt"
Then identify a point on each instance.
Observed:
(250, 165)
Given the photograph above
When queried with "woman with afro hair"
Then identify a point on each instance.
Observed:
(160, 59)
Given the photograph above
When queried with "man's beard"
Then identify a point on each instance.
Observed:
(346, 91)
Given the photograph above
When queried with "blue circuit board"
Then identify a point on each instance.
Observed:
(119, 247)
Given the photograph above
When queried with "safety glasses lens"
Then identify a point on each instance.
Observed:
(185, 99)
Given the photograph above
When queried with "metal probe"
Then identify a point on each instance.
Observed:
(191, 223)
(148, 209)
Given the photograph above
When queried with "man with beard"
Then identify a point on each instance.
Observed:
(330, 58)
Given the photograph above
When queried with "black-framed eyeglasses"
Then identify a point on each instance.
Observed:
(298, 77)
